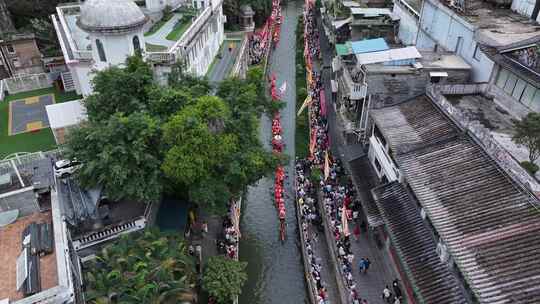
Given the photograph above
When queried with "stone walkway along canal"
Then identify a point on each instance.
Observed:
(275, 270)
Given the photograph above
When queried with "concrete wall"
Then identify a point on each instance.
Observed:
(82, 76)
(202, 51)
(443, 27)
(380, 153)
(408, 25)
(387, 90)
(117, 47)
(515, 107)
(524, 7)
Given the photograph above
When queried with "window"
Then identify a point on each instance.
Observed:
(501, 79)
(101, 51)
(377, 133)
(476, 54)
(528, 95)
(510, 84)
(136, 45)
(518, 89)
(10, 49)
(459, 43)
(202, 4)
(377, 165)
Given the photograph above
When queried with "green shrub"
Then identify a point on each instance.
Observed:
(532, 168)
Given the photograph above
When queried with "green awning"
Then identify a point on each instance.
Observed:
(343, 49)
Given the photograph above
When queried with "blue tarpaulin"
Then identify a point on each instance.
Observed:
(369, 45)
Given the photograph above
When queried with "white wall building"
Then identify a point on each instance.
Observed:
(98, 34)
(462, 27)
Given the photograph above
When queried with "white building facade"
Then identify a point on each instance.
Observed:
(101, 33)
(463, 27)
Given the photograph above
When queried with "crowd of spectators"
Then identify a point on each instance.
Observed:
(261, 41)
(337, 201)
(311, 223)
(227, 243)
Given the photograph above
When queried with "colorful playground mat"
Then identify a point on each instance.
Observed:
(29, 114)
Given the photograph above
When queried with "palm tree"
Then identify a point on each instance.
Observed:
(151, 267)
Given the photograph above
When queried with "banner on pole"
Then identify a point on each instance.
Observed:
(307, 101)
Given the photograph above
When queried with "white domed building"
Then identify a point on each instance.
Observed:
(97, 34)
(115, 30)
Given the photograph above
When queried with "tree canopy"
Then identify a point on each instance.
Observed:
(527, 133)
(146, 267)
(140, 136)
(120, 153)
(224, 278)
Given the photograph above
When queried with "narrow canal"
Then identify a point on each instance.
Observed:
(275, 270)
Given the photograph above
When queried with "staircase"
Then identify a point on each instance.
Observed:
(108, 233)
(67, 80)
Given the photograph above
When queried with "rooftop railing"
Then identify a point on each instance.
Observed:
(356, 90)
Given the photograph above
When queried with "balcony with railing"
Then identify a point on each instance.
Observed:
(355, 90)
(160, 57)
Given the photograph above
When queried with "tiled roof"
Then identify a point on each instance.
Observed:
(490, 225)
(432, 280)
(410, 125)
(365, 179)
(487, 221)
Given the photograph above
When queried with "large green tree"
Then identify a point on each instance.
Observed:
(120, 89)
(121, 153)
(224, 278)
(213, 144)
(147, 267)
(527, 133)
(140, 136)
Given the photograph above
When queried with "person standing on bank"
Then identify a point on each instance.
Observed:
(386, 294)
(397, 290)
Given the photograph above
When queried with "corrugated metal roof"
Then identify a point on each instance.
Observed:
(369, 45)
(489, 224)
(409, 52)
(416, 247)
(66, 114)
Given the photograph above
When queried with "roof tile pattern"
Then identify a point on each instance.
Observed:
(489, 224)
(413, 124)
(430, 277)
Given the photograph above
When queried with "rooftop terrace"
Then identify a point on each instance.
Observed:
(496, 26)
(33, 245)
(10, 249)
